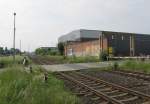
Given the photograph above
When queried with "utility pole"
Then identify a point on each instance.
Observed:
(20, 47)
(14, 51)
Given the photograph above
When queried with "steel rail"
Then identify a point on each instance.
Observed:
(139, 75)
(98, 93)
(71, 76)
(137, 93)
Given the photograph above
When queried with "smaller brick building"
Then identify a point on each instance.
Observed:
(93, 42)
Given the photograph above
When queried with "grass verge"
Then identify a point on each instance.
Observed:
(73, 59)
(19, 86)
(142, 66)
(7, 61)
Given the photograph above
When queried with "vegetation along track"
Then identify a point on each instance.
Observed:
(138, 75)
(103, 92)
(37, 60)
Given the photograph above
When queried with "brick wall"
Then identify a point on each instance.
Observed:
(90, 48)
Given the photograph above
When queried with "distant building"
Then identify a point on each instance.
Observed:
(50, 48)
(93, 42)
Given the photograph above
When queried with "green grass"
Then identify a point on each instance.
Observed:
(143, 66)
(82, 59)
(21, 87)
(8, 60)
(73, 59)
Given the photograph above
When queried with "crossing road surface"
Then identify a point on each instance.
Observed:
(77, 66)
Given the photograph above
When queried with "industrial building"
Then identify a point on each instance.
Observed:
(92, 42)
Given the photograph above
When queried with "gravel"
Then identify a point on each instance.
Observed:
(126, 81)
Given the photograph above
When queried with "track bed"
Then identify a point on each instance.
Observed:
(99, 91)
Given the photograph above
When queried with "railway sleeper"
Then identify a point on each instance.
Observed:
(84, 80)
(98, 87)
(88, 94)
(129, 99)
(105, 89)
(95, 98)
(119, 87)
(114, 92)
(119, 95)
(111, 92)
(136, 75)
(117, 100)
(90, 82)
(95, 84)
(80, 89)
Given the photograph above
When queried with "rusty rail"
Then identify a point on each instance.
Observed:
(83, 81)
(138, 75)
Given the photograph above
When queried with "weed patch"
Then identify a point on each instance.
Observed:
(20, 87)
(143, 66)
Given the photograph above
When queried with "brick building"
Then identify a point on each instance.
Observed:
(93, 42)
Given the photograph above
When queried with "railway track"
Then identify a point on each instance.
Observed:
(138, 75)
(102, 92)
(38, 60)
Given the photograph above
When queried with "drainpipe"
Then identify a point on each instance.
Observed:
(102, 42)
(132, 47)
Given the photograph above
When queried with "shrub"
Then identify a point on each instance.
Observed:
(61, 48)
(115, 66)
(103, 56)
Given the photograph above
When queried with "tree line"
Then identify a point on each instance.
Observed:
(6, 51)
(59, 50)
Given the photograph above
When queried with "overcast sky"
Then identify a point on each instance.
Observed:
(41, 22)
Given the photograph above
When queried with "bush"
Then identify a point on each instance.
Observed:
(103, 56)
(115, 66)
(61, 48)
(1, 64)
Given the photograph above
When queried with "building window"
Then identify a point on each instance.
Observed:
(70, 52)
(122, 37)
(112, 37)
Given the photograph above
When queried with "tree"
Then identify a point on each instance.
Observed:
(47, 51)
(61, 48)
(1, 50)
(40, 51)
(6, 51)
